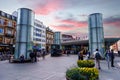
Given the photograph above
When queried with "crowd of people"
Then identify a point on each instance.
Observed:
(5, 55)
(109, 55)
(34, 55)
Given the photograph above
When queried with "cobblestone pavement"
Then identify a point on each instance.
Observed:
(52, 68)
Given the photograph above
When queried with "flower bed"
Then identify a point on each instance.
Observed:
(86, 63)
(90, 73)
(82, 74)
(74, 74)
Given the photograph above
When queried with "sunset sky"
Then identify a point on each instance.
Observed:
(70, 16)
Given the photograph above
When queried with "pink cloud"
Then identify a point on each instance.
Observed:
(48, 7)
(116, 23)
(113, 21)
(62, 27)
(75, 23)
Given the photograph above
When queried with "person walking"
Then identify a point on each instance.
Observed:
(80, 55)
(31, 56)
(88, 54)
(98, 56)
(107, 57)
(43, 53)
(112, 56)
(22, 58)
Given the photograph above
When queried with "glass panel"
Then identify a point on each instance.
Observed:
(23, 48)
(93, 22)
(23, 34)
(94, 35)
(24, 16)
(19, 18)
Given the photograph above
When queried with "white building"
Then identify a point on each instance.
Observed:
(39, 34)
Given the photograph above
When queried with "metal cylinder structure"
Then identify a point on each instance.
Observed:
(24, 33)
(96, 33)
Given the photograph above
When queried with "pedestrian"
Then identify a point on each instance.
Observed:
(43, 53)
(118, 52)
(35, 56)
(31, 56)
(68, 52)
(107, 57)
(97, 56)
(22, 58)
(88, 54)
(80, 55)
(112, 56)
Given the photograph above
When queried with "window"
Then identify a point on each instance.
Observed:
(1, 39)
(1, 21)
(9, 31)
(5, 22)
(38, 34)
(7, 40)
(3, 14)
(8, 16)
(10, 23)
(1, 30)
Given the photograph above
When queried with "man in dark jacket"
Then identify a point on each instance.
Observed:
(112, 58)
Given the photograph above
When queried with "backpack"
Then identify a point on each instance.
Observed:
(97, 56)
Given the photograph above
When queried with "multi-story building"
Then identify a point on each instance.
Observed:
(7, 31)
(39, 34)
(49, 39)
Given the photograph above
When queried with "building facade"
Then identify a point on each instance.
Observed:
(96, 33)
(7, 31)
(49, 39)
(66, 37)
(39, 34)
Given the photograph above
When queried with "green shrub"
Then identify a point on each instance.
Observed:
(74, 74)
(90, 73)
(86, 63)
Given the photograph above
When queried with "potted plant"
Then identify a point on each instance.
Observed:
(90, 73)
(85, 63)
(74, 74)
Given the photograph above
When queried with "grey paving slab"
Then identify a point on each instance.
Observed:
(52, 68)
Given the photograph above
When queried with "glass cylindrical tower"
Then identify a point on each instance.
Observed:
(24, 32)
(96, 33)
(57, 38)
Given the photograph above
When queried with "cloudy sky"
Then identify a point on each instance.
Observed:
(70, 16)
